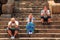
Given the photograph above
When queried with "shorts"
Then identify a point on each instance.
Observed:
(13, 30)
(45, 18)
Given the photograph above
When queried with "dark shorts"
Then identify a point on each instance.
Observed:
(45, 18)
(13, 30)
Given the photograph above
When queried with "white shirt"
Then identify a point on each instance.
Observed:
(31, 19)
(12, 24)
(43, 12)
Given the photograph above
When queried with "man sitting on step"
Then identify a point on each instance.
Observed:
(30, 17)
(13, 28)
(45, 15)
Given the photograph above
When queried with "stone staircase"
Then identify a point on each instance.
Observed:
(42, 32)
(25, 7)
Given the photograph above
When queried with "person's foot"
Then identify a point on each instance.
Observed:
(30, 32)
(12, 37)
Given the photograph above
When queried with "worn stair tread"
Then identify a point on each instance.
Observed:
(35, 31)
(33, 38)
(21, 18)
(37, 22)
(35, 25)
(33, 34)
(51, 35)
(34, 21)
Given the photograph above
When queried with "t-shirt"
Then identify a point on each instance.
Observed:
(28, 19)
(13, 24)
(45, 12)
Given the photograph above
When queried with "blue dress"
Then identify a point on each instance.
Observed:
(30, 27)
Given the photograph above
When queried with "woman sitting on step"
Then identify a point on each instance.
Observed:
(30, 17)
(13, 28)
(45, 15)
(30, 27)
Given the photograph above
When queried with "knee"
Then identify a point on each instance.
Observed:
(49, 19)
(16, 31)
(9, 31)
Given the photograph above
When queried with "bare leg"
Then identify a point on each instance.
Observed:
(49, 20)
(42, 20)
(16, 32)
(10, 33)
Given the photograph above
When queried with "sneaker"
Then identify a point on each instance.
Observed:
(30, 32)
(12, 37)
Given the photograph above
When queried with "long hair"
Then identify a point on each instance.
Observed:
(47, 5)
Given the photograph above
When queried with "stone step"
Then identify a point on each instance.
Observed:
(34, 0)
(34, 14)
(25, 15)
(28, 10)
(16, 15)
(32, 3)
(23, 18)
(35, 22)
(29, 13)
(51, 35)
(35, 31)
(28, 38)
(8, 19)
(37, 13)
(53, 15)
(37, 26)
